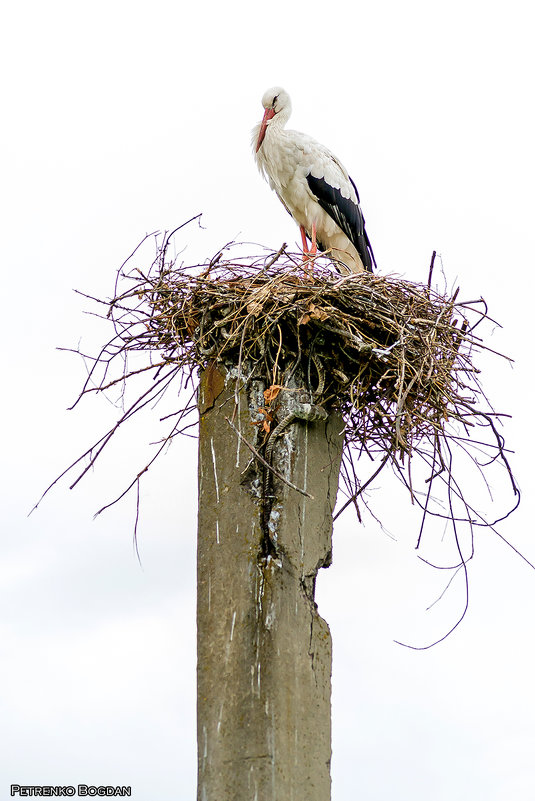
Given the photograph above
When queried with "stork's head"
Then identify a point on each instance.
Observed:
(276, 102)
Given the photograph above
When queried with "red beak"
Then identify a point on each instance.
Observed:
(269, 113)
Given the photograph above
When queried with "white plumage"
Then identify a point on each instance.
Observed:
(313, 185)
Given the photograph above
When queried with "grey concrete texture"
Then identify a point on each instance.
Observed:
(264, 652)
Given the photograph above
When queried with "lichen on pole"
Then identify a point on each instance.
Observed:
(264, 652)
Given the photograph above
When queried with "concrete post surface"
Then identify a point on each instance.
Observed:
(264, 653)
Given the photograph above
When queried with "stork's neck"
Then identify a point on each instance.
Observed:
(267, 155)
(278, 122)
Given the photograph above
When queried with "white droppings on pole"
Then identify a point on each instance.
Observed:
(232, 625)
(215, 469)
(252, 680)
(270, 617)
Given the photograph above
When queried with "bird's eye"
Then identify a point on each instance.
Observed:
(274, 101)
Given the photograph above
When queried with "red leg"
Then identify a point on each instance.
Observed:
(314, 248)
(304, 241)
(306, 252)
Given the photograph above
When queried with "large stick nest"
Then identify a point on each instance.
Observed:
(383, 351)
(395, 358)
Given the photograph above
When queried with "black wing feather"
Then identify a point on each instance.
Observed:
(346, 214)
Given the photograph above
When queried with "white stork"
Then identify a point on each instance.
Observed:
(313, 186)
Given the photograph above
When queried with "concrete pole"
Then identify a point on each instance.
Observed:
(264, 653)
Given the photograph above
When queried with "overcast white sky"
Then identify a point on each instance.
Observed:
(123, 118)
